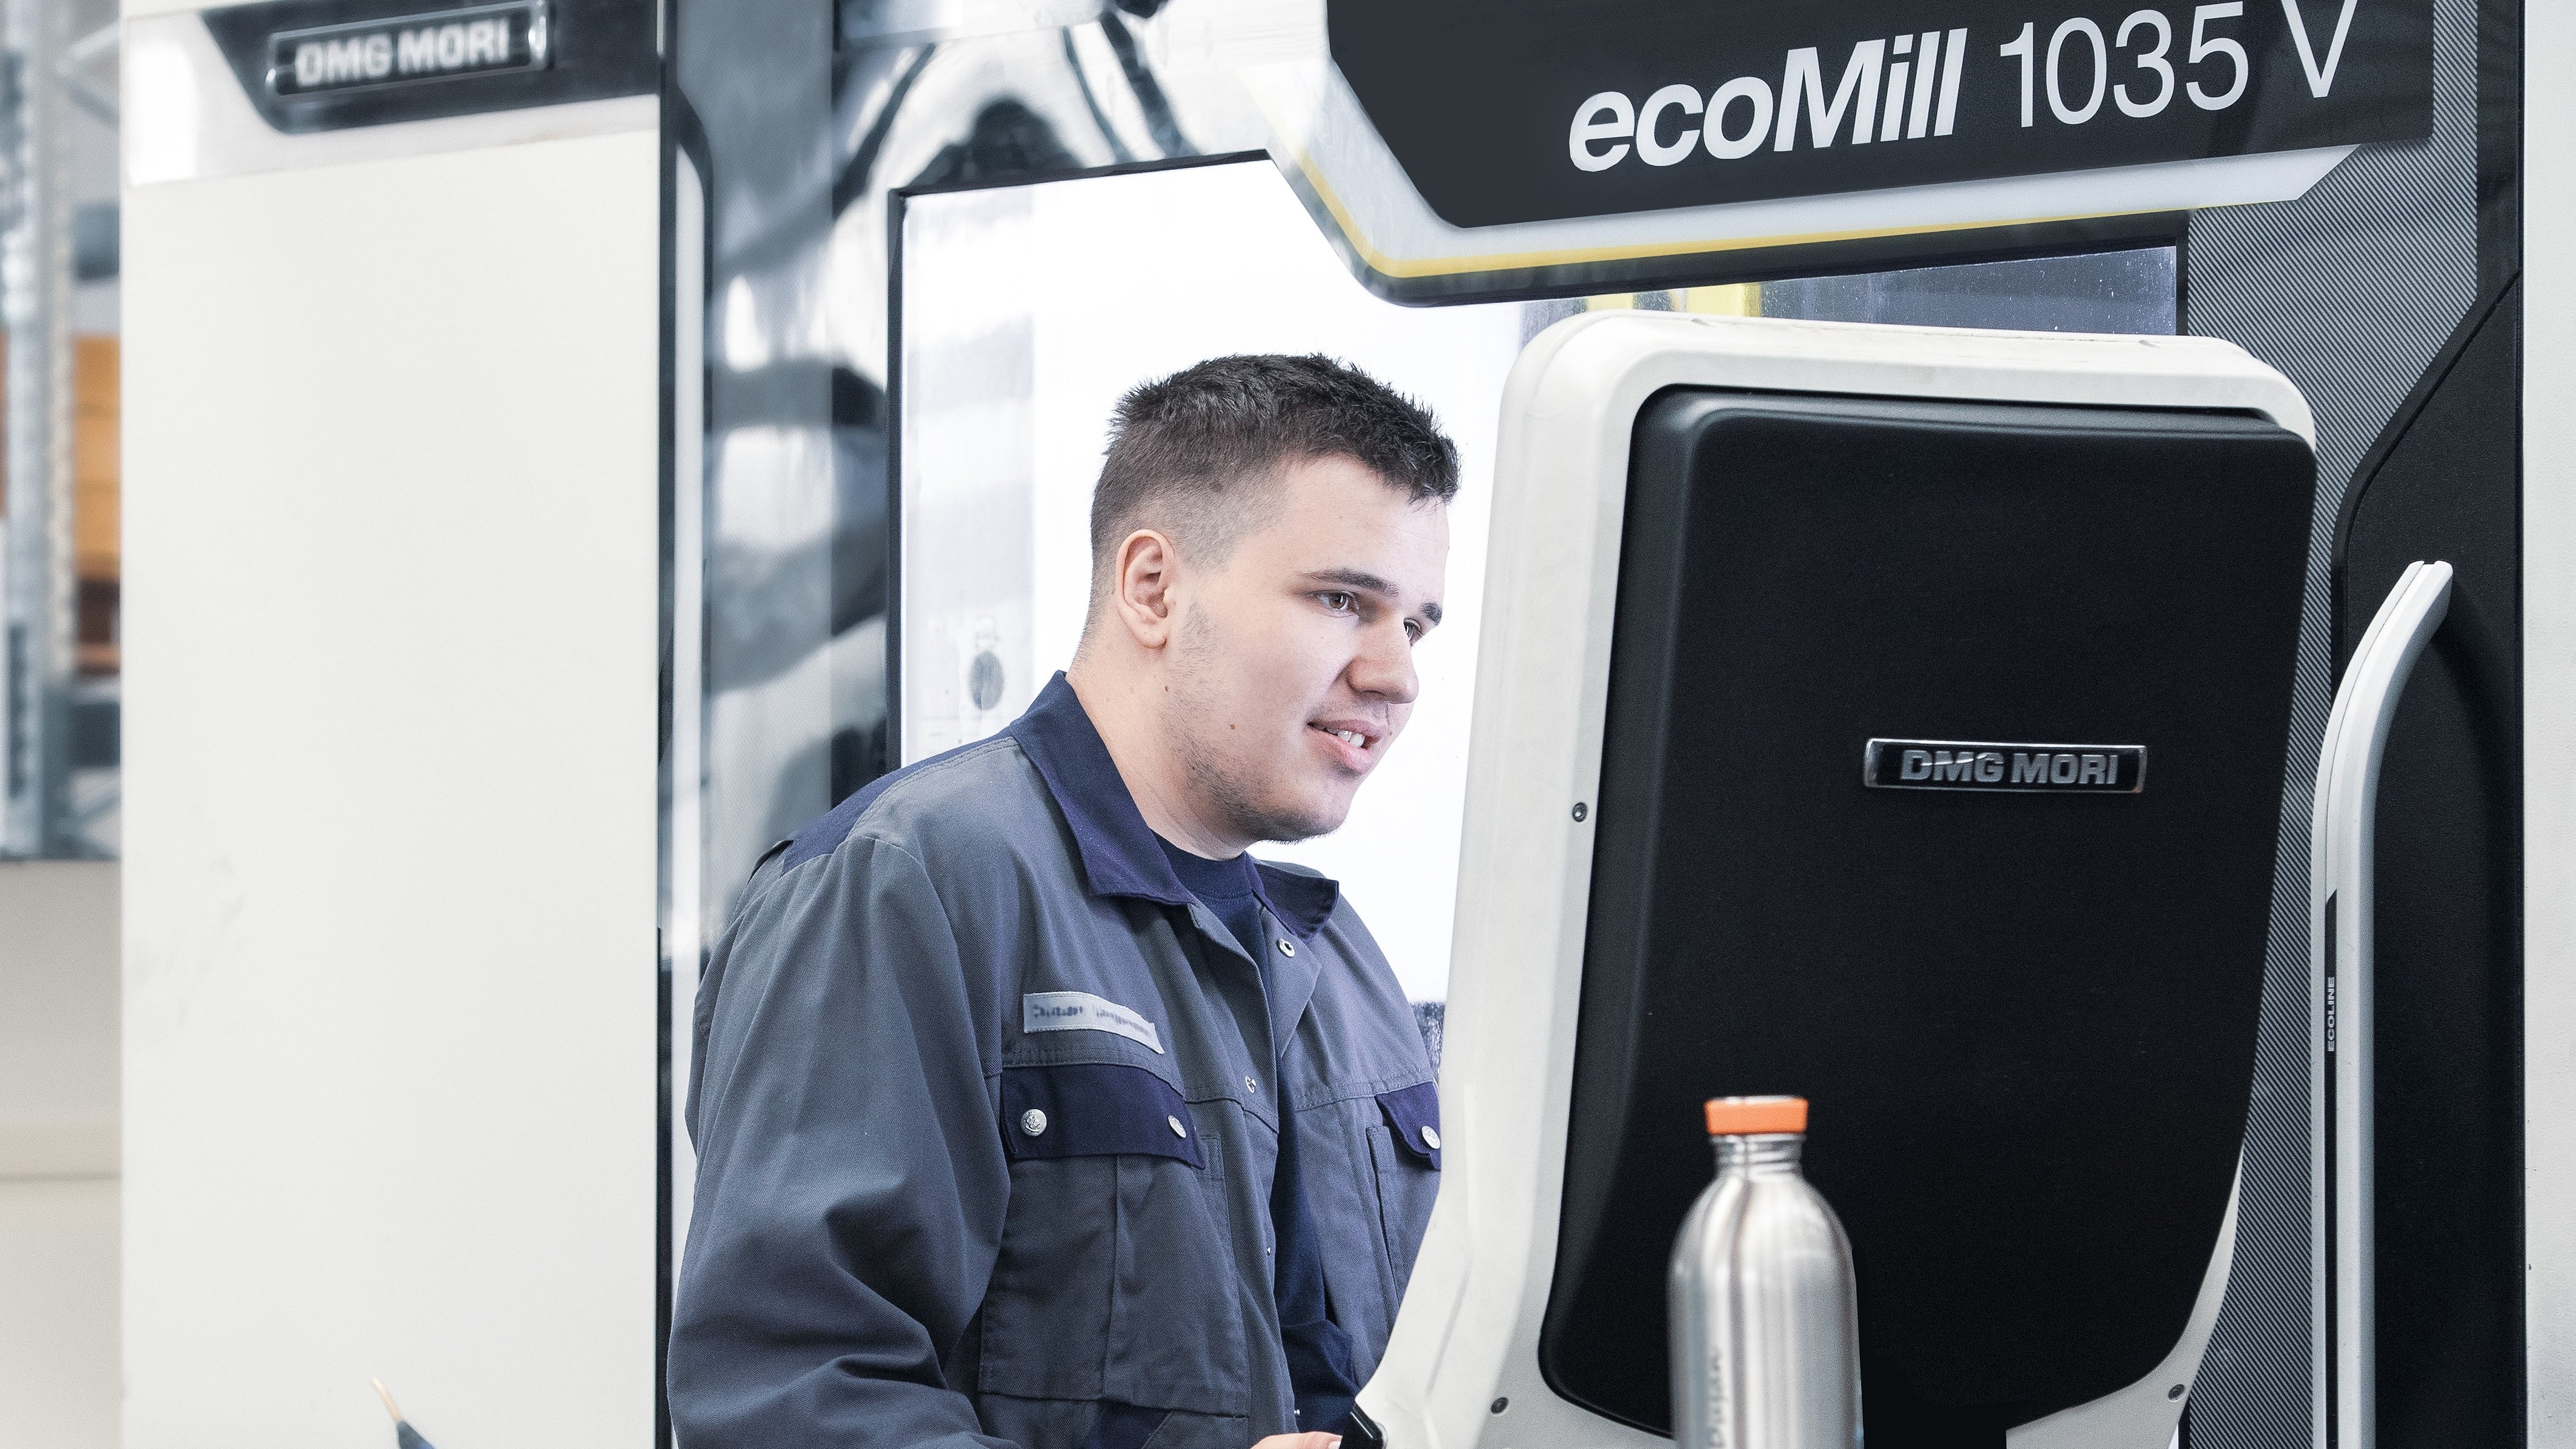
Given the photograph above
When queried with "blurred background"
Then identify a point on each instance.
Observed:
(60, 580)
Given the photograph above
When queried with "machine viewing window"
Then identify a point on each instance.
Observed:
(2131, 291)
(1025, 312)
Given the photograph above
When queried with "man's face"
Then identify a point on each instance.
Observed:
(1291, 670)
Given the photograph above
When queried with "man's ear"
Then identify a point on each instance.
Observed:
(1146, 567)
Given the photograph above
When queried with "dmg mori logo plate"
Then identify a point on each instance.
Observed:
(1986, 765)
(441, 45)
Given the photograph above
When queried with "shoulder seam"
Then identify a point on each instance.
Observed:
(858, 822)
(990, 1069)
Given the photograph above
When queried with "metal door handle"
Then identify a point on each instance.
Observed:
(2340, 1000)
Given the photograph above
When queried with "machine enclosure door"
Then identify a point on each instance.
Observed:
(2025, 1016)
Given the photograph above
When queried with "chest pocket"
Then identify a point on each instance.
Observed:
(1115, 1279)
(1406, 1154)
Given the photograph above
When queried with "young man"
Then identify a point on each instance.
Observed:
(1030, 1110)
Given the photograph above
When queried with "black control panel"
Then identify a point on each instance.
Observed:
(2020, 988)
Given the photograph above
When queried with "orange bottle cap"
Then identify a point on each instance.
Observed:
(1743, 1116)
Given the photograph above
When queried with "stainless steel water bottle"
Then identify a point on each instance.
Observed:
(1765, 1329)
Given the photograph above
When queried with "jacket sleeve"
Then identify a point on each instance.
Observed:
(851, 1180)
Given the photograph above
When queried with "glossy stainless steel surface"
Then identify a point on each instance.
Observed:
(1765, 1328)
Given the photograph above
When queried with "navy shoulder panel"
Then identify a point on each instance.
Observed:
(828, 830)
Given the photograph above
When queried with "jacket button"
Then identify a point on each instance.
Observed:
(1431, 1137)
(1287, 947)
(1033, 1121)
(1250, 1085)
(1177, 1129)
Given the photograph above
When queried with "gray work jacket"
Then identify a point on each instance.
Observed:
(982, 1100)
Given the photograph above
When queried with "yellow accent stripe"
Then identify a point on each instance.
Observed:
(1503, 261)
(1743, 299)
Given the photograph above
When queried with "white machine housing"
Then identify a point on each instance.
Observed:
(1462, 1366)
(392, 520)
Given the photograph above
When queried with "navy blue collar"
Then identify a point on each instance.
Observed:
(1120, 854)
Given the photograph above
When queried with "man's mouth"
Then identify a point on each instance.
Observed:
(1361, 743)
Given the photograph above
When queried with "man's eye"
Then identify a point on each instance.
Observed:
(1336, 600)
(1413, 631)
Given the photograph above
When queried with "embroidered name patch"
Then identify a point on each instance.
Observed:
(1082, 1011)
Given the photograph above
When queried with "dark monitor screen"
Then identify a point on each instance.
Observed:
(2025, 1018)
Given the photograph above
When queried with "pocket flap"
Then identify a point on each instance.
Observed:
(1414, 1116)
(1089, 1109)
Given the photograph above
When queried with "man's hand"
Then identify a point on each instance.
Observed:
(1316, 1440)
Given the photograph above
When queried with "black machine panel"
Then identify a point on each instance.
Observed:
(2025, 1017)
(2448, 948)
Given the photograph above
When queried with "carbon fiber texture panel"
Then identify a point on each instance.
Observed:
(2351, 291)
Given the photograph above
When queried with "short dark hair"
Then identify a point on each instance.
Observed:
(1203, 444)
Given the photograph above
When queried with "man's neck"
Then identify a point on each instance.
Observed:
(1123, 711)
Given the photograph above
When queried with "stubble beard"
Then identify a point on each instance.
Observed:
(1226, 789)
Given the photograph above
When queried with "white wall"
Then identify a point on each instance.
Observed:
(391, 513)
(58, 1037)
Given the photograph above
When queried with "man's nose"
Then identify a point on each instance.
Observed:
(1384, 667)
